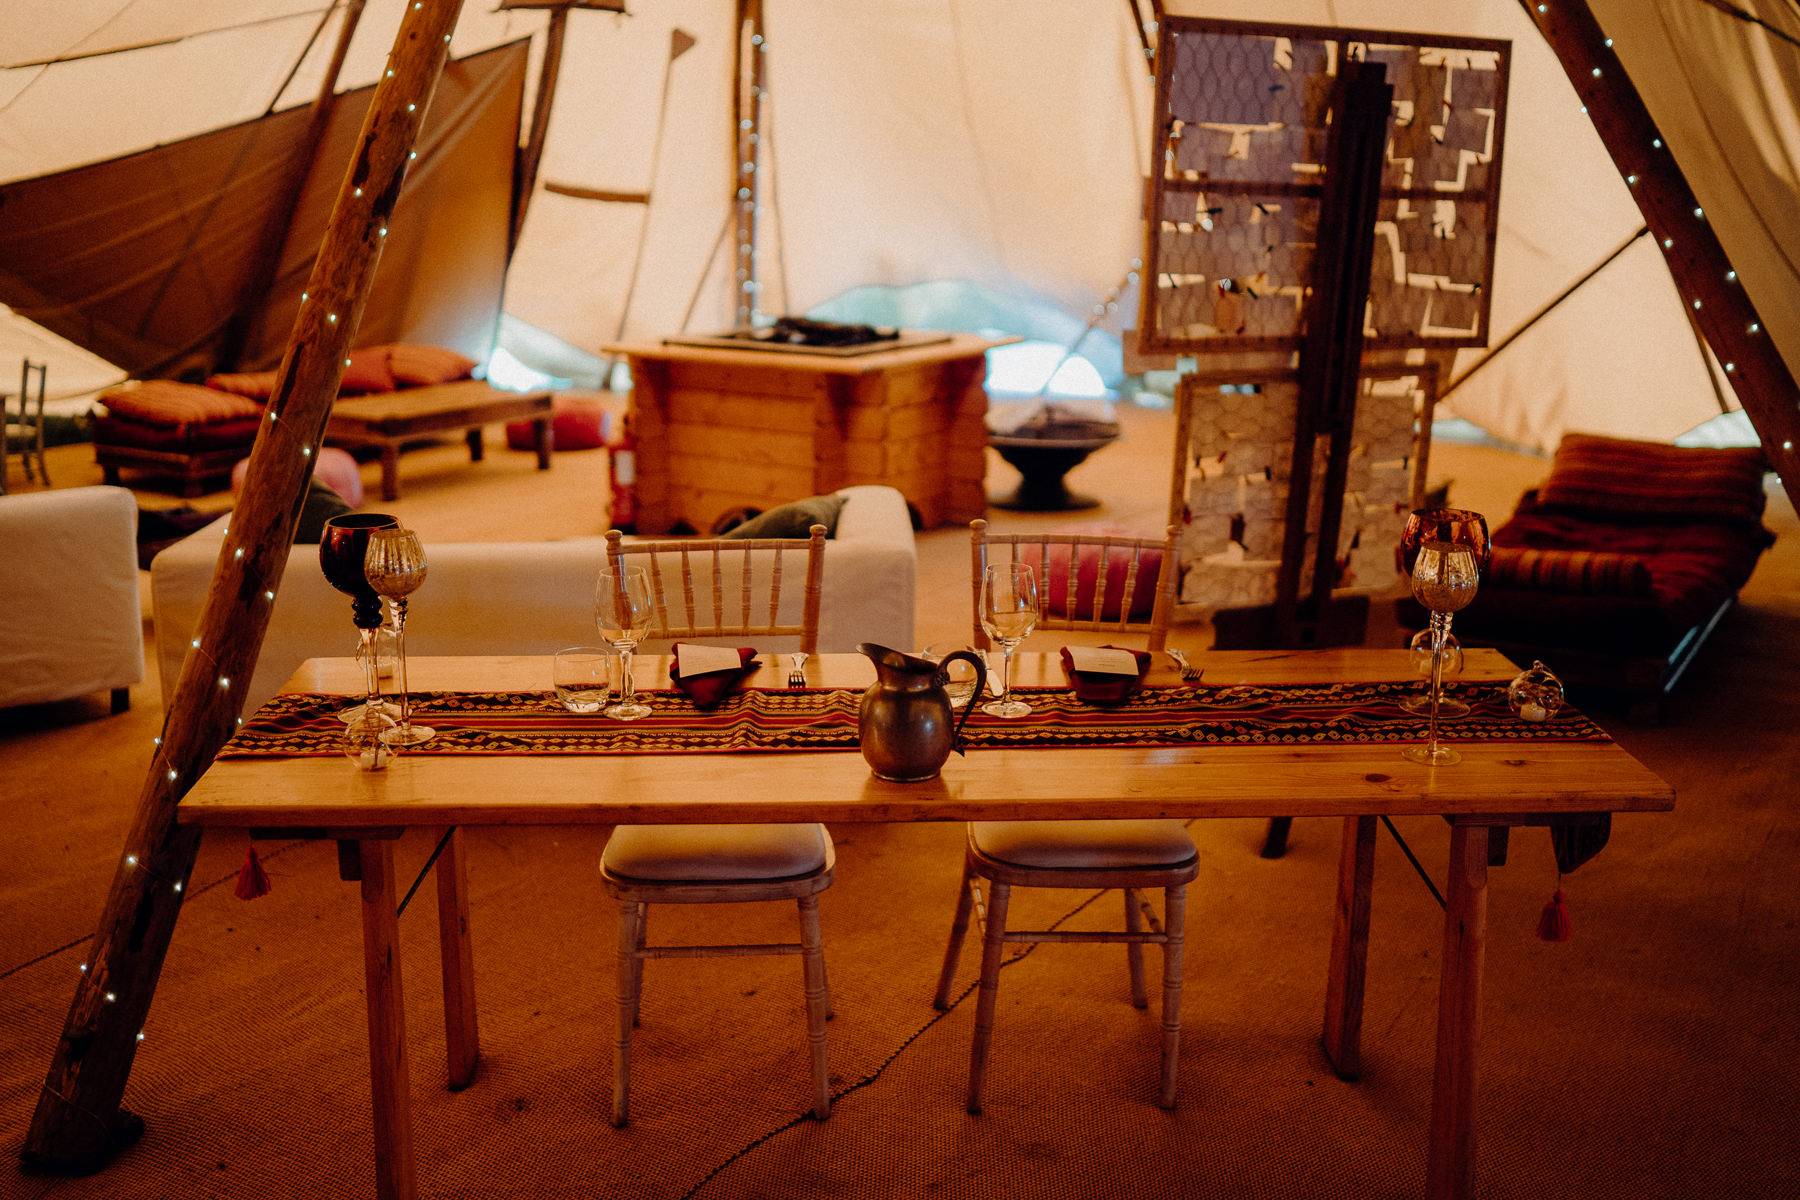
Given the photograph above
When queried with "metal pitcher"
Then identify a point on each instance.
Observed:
(907, 726)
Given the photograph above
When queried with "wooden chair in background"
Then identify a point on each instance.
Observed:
(1132, 855)
(27, 430)
(721, 864)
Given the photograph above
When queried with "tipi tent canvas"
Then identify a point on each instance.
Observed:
(979, 164)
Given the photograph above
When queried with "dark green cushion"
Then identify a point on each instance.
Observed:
(321, 504)
(792, 520)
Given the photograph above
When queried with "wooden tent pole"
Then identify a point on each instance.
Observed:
(1703, 273)
(533, 151)
(78, 1121)
(281, 220)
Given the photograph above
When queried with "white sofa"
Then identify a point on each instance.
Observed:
(70, 618)
(525, 597)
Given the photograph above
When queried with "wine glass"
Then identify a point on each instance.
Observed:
(623, 612)
(1463, 527)
(343, 546)
(1009, 612)
(394, 565)
(1444, 579)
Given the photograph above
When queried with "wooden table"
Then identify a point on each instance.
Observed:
(722, 429)
(388, 420)
(1496, 786)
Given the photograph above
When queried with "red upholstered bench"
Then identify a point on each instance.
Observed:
(1619, 565)
(181, 430)
(196, 434)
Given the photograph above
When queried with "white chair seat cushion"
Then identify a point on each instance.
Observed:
(1093, 845)
(707, 853)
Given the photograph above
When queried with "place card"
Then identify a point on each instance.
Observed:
(704, 660)
(1102, 660)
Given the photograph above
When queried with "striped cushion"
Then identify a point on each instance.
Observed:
(1649, 481)
(1580, 572)
(419, 366)
(177, 405)
(258, 385)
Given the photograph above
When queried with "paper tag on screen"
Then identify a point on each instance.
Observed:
(704, 660)
(1100, 660)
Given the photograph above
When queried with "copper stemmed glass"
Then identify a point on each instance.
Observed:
(1445, 551)
(343, 547)
(1452, 525)
(394, 565)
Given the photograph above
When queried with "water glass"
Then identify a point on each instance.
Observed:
(580, 678)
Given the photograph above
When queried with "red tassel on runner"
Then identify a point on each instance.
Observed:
(253, 881)
(1553, 925)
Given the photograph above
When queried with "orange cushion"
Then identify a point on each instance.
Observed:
(255, 384)
(421, 366)
(166, 402)
(368, 372)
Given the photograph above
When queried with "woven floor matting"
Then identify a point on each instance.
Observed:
(819, 719)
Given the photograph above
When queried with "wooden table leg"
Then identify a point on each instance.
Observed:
(390, 1079)
(544, 442)
(1350, 948)
(462, 1039)
(390, 471)
(1450, 1158)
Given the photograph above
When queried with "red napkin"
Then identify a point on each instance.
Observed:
(1096, 687)
(711, 688)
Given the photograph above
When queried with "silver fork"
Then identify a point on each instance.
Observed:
(797, 676)
(1189, 672)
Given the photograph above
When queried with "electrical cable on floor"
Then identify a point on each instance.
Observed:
(1435, 894)
(424, 871)
(872, 1076)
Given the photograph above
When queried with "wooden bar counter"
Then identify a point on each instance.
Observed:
(719, 428)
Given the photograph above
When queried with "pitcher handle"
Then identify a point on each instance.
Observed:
(943, 676)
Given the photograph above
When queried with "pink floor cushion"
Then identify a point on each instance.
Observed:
(1053, 584)
(574, 425)
(335, 468)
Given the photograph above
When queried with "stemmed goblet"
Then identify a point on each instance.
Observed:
(395, 567)
(1463, 527)
(1009, 612)
(623, 613)
(343, 547)
(1446, 551)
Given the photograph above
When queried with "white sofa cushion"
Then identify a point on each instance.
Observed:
(523, 597)
(73, 622)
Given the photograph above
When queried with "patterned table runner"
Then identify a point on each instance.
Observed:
(824, 719)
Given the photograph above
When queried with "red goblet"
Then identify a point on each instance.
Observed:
(343, 548)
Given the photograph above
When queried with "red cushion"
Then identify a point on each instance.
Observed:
(574, 425)
(421, 366)
(1620, 479)
(1053, 584)
(368, 372)
(168, 403)
(258, 385)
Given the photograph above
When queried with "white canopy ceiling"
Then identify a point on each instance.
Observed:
(999, 142)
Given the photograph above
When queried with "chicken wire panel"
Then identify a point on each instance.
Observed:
(1236, 469)
(1241, 144)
